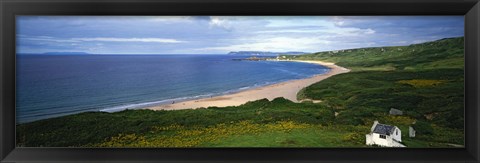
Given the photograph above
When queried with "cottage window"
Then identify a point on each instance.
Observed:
(396, 132)
(383, 136)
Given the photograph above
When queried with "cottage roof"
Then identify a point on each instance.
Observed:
(384, 129)
(394, 111)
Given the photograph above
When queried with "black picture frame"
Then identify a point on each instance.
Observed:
(10, 8)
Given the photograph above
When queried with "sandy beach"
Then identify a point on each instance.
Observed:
(288, 90)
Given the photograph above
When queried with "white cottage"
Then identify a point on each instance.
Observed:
(394, 111)
(411, 132)
(384, 135)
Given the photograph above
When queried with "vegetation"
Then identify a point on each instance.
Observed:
(425, 81)
(373, 93)
(444, 53)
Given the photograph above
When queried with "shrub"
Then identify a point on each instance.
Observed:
(422, 127)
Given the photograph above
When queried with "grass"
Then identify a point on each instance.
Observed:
(75, 130)
(378, 91)
(314, 136)
(425, 81)
(422, 82)
(241, 134)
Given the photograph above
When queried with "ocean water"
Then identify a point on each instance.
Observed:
(57, 85)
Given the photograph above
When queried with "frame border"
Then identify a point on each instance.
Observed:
(10, 8)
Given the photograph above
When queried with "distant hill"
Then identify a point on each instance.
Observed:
(65, 53)
(263, 53)
(443, 53)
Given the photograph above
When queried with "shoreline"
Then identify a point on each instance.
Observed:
(287, 90)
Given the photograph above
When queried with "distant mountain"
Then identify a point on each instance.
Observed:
(263, 53)
(65, 53)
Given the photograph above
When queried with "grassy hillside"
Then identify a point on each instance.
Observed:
(444, 53)
(423, 80)
(182, 128)
(419, 94)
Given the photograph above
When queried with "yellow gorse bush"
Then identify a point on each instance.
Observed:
(422, 82)
(166, 128)
(183, 137)
(353, 137)
(122, 139)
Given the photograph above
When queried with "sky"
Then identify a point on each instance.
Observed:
(223, 34)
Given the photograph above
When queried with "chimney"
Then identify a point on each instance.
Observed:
(374, 125)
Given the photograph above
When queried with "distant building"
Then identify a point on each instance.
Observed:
(394, 111)
(411, 132)
(384, 135)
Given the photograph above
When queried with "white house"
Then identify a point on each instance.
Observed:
(394, 111)
(411, 132)
(384, 135)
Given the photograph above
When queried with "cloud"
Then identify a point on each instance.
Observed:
(292, 31)
(333, 27)
(42, 38)
(419, 41)
(171, 19)
(220, 22)
(220, 34)
(113, 39)
(369, 31)
(402, 42)
(100, 39)
(338, 21)
(273, 44)
(335, 31)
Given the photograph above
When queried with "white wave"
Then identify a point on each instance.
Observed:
(168, 101)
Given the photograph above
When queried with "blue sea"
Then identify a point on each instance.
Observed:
(56, 85)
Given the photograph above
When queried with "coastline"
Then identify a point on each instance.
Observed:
(287, 89)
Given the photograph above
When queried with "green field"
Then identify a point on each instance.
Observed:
(425, 81)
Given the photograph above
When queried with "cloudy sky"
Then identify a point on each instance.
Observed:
(222, 34)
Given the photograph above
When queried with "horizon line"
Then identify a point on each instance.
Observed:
(87, 53)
